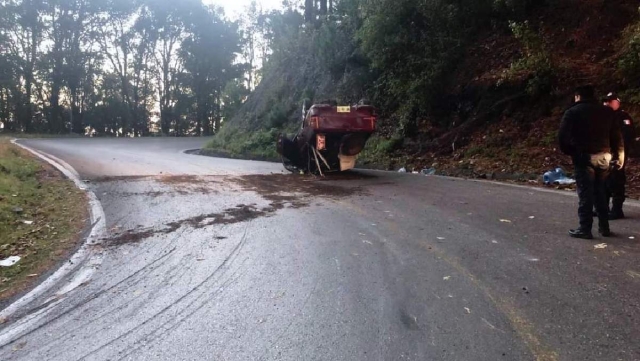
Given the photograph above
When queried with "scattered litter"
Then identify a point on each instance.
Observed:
(557, 177)
(33, 275)
(600, 246)
(373, 224)
(415, 172)
(27, 222)
(446, 278)
(616, 253)
(532, 217)
(468, 310)
(261, 320)
(450, 296)
(428, 171)
(362, 234)
(8, 262)
(17, 210)
(441, 238)
(19, 346)
(365, 241)
(632, 237)
(565, 182)
(494, 242)
(14, 195)
(505, 221)
(200, 259)
(402, 170)
(633, 274)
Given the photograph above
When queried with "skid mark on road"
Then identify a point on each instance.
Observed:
(213, 277)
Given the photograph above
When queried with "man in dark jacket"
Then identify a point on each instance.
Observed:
(592, 137)
(618, 178)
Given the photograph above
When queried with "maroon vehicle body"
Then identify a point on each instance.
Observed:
(330, 139)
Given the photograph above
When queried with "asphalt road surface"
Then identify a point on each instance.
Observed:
(215, 259)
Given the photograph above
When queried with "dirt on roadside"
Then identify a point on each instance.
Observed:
(42, 219)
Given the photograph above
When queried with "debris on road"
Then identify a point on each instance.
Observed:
(428, 171)
(600, 246)
(633, 274)
(632, 237)
(27, 222)
(365, 241)
(557, 177)
(446, 278)
(468, 310)
(19, 346)
(505, 221)
(532, 217)
(10, 261)
(402, 170)
(441, 238)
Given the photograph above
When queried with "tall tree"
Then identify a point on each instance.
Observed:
(208, 54)
(26, 34)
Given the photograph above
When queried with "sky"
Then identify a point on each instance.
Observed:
(233, 8)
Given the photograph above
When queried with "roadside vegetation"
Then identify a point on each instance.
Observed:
(42, 216)
(472, 88)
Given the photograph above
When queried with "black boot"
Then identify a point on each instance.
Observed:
(579, 233)
(616, 213)
(605, 232)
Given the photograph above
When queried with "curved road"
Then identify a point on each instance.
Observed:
(214, 259)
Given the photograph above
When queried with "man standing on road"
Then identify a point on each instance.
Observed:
(592, 137)
(618, 178)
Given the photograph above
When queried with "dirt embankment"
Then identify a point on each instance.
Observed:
(496, 128)
(42, 219)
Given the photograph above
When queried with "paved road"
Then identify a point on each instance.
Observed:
(212, 259)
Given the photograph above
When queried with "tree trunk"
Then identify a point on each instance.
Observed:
(309, 12)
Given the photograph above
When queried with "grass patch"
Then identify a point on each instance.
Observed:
(378, 153)
(32, 191)
(237, 143)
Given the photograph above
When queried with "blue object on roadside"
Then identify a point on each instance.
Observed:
(557, 176)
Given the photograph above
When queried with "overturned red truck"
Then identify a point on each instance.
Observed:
(330, 138)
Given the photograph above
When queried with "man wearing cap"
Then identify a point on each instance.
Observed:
(592, 137)
(618, 177)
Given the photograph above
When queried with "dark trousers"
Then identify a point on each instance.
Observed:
(592, 191)
(616, 189)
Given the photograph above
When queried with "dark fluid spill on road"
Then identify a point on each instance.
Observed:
(281, 191)
(277, 185)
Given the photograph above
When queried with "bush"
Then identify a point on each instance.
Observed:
(259, 144)
(512, 8)
(629, 62)
(277, 117)
(535, 65)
